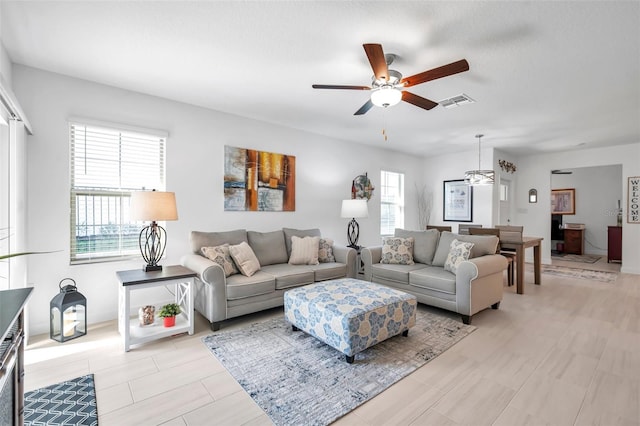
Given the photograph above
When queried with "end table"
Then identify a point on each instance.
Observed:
(137, 279)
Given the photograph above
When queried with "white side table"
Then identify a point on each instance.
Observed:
(130, 330)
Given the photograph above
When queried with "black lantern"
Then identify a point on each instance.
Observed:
(68, 311)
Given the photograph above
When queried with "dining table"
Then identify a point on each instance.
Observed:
(519, 247)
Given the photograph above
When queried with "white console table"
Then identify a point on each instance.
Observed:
(128, 326)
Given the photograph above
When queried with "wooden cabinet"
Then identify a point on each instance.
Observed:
(574, 241)
(614, 246)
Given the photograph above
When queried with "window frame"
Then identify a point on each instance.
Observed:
(399, 204)
(77, 188)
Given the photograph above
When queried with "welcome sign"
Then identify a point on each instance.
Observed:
(633, 200)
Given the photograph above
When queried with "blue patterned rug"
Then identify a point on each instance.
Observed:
(68, 403)
(298, 380)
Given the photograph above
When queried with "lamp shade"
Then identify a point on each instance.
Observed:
(154, 206)
(354, 209)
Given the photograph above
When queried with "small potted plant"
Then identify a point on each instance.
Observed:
(168, 313)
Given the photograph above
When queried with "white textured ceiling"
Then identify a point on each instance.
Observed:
(546, 76)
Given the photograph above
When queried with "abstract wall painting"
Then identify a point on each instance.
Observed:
(259, 180)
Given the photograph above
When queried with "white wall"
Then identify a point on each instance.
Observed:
(598, 190)
(195, 147)
(452, 167)
(535, 172)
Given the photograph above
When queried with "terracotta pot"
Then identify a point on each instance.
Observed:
(169, 321)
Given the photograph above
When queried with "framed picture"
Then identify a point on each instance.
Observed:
(563, 201)
(259, 180)
(457, 201)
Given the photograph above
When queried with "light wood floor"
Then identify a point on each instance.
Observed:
(566, 352)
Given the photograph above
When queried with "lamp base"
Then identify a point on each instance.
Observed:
(151, 268)
(353, 234)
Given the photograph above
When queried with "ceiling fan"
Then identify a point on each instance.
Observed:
(387, 85)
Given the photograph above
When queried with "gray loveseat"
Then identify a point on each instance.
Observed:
(476, 284)
(219, 297)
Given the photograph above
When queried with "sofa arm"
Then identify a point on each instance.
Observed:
(479, 283)
(370, 256)
(211, 290)
(346, 255)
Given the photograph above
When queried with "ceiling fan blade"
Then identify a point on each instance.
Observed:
(336, 86)
(364, 108)
(375, 54)
(443, 71)
(418, 101)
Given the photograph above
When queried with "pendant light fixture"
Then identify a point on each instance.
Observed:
(479, 177)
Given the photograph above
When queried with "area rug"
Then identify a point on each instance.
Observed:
(579, 273)
(298, 380)
(72, 402)
(584, 258)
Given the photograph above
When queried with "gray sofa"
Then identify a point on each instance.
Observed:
(476, 284)
(219, 297)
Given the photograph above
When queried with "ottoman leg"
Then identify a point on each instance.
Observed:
(294, 328)
(349, 359)
(405, 333)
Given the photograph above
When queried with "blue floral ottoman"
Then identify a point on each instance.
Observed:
(350, 315)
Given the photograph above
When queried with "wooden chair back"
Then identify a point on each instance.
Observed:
(439, 228)
(510, 233)
(463, 229)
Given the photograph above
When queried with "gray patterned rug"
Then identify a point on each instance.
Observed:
(583, 258)
(72, 402)
(298, 380)
(579, 273)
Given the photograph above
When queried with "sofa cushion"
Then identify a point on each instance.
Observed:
(289, 232)
(397, 273)
(458, 253)
(396, 250)
(212, 239)
(433, 278)
(482, 246)
(424, 243)
(240, 286)
(245, 259)
(329, 271)
(221, 256)
(304, 251)
(325, 251)
(269, 247)
(288, 276)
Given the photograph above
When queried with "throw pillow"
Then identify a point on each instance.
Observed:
(220, 255)
(245, 259)
(458, 252)
(325, 251)
(304, 251)
(397, 250)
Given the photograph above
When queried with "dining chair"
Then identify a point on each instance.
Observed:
(463, 229)
(439, 228)
(510, 256)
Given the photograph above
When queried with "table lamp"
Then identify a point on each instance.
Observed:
(354, 209)
(154, 206)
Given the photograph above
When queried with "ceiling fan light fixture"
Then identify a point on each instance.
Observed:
(386, 96)
(479, 177)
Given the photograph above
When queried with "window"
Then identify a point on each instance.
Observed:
(107, 164)
(391, 202)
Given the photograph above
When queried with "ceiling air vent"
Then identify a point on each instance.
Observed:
(456, 101)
